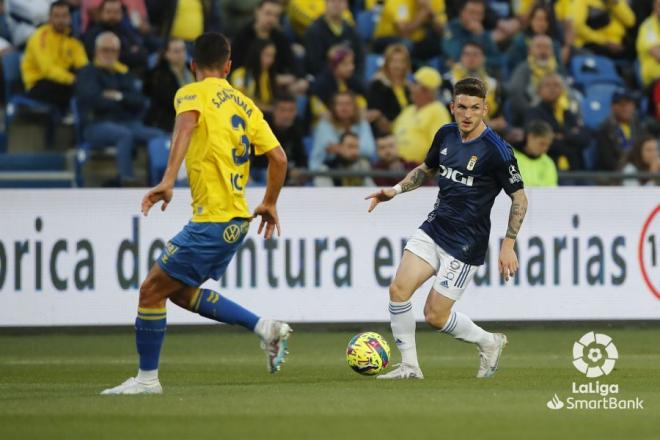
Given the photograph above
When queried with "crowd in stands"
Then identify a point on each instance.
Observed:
(357, 85)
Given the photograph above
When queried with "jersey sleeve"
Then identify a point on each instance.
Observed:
(507, 171)
(188, 98)
(261, 136)
(433, 156)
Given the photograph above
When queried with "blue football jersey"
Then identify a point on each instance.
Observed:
(471, 175)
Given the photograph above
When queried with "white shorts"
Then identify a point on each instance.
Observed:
(452, 275)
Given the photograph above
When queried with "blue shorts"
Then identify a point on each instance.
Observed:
(202, 250)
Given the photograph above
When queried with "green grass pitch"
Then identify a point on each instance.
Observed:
(216, 386)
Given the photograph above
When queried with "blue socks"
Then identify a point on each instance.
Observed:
(219, 308)
(149, 333)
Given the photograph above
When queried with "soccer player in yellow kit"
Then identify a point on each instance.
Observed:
(215, 127)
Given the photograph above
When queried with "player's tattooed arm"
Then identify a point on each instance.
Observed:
(517, 213)
(416, 178)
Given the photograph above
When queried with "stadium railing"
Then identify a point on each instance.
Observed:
(576, 177)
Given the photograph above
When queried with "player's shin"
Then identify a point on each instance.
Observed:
(462, 327)
(214, 306)
(402, 321)
(150, 327)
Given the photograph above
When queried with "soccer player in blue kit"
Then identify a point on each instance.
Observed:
(473, 164)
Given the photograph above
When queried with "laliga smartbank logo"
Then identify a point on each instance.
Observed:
(594, 355)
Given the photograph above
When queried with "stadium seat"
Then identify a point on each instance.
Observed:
(159, 150)
(592, 69)
(76, 23)
(597, 103)
(308, 142)
(372, 63)
(42, 170)
(15, 99)
(365, 24)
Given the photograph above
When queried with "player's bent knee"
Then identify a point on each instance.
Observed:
(148, 293)
(436, 318)
(398, 293)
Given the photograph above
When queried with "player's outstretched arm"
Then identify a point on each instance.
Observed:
(508, 261)
(184, 125)
(277, 166)
(415, 178)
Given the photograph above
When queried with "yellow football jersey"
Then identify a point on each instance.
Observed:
(218, 158)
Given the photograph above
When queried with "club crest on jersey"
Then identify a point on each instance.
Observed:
(471, 163)
(456, 176)
(515, 175)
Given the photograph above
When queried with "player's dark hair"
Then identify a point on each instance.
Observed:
(473, 44)
(470, 87)
(347, 134)
(263, 2)
(285, 97)
(467, 2)
(59, 4)
(212, 50)
(105, 2)
(539, 128)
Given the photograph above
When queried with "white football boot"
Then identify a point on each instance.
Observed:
(489, 357)
(403, 371)
(275, 344)
(132, 386)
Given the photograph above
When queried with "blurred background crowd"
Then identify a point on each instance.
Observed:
(356, 86)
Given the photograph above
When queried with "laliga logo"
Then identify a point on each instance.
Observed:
(595, 354)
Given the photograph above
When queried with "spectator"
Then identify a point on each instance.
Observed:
(536, 167)
(302, 13)
(468, 27)
(110, 105)
(540, 23)
(257, 78)
(522, 87)
(185, 19)
(5, 34)
(262, 28)
(338, 76)
(344, 116)
(51, 59)
(416, 23)
(287, 129)
(648, 47)
(23, 18)
(643, 157)
(347, 158)
(616, 136)
(417, 124)
(163, 81)
(241, 13)
(389, 160)
(389, 90)
(601, 25)
(571, 137)
(136, 9)
(111, 18)
(473, 64)
(328, 31)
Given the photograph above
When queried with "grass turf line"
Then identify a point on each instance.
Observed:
(216, 386)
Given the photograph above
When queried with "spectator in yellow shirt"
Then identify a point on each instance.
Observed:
(51, 58)
(648, 46)
(303, 13)
(416, 126)
(536, 167)
(418, 23)
(600, 25)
